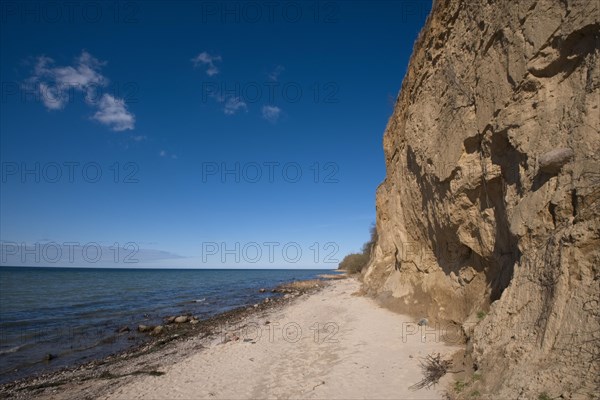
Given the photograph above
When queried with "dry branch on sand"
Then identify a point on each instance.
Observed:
(434, 367)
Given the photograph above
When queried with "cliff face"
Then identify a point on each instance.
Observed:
(489, 216)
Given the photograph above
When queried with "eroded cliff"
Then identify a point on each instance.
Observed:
(489, 215)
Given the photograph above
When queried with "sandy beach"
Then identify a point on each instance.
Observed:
(357, 353)
(332, 344)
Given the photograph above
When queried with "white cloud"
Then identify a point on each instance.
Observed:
(55, 84)
(85, 75)
(53, 98)
(274, 75)
(164, 153)
(139, 138)
(206, 59)
(271, 113)
(114, 114)
(233, 105)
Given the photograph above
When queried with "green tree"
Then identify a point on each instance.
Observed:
(355, 262)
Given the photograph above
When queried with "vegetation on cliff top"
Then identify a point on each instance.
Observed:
(354, 262)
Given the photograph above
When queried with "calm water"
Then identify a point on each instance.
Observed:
(74, 312)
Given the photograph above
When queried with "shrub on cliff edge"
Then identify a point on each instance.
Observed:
(355, 262)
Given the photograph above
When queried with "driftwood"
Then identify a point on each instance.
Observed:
(433, 367)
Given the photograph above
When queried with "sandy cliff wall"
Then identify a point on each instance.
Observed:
(491, 203)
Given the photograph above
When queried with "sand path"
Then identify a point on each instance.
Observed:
(330, 345)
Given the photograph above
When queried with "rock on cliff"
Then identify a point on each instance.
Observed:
(489, 215)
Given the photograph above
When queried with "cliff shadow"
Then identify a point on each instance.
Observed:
(453, 256)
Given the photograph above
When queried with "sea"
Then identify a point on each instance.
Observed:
(74, 313)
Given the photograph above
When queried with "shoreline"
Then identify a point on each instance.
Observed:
(344, 348)
(209, 328)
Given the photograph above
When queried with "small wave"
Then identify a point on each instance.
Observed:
(202, 300)
(13, 349)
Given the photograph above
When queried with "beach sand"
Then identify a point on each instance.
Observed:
(328, 345)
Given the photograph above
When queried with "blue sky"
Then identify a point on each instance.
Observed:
(192, 133)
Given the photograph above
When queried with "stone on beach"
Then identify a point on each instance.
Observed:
(181, 319)
(144, 328)
(230, 337)
(158, 330)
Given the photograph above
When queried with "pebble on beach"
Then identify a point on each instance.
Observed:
(123, 329)
(144, 328)
(158, 330)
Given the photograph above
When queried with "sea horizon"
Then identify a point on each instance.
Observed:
(172, 268)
